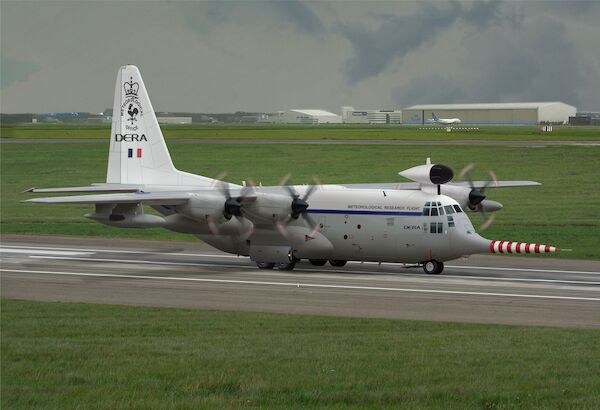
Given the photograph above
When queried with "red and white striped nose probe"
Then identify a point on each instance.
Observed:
(518, 247)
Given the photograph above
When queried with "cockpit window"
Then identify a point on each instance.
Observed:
(457, 208)
(437, 209)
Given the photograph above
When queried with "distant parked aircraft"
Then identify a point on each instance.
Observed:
(443, 121)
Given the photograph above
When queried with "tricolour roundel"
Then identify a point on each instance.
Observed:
(518, 247)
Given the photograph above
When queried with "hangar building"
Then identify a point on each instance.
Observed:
(352, 116)
(309, 117)
(498, 113)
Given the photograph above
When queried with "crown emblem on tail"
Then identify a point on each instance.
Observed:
(131, 88)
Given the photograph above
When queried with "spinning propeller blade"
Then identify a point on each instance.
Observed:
(298, 206)
(476, 196)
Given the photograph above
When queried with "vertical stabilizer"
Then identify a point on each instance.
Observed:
(138, 153)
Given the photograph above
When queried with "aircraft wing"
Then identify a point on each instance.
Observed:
(498, 184)
(148, 198)
(416, 185)
(94, 188)
(385, 185)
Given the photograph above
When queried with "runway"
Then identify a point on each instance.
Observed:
(482, 289)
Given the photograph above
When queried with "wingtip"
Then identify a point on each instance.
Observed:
(32, 189)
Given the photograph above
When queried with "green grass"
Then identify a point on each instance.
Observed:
(303, 132)
(562, 212)
(57, 355)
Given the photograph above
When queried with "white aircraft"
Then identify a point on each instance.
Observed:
(443, 121)
(420, 223)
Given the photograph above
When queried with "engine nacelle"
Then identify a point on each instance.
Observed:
(268, 208)
(436, 174)
(183, 224)
(459, 193)
(201, 207)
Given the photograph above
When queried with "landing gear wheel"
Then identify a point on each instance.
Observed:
(337, 263)
(318, 262)
(286, 265)
(433, 267)
(265, 265)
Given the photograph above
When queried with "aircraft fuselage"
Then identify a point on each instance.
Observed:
(370, 225)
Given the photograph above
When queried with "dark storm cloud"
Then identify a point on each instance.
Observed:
(398, 35)
(298, 13)
(205, 16)
(534, 63)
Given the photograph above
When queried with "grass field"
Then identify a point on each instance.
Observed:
(562, 212)
(57, 355)
(303, 132)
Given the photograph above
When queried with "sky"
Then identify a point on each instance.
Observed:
(228, 56)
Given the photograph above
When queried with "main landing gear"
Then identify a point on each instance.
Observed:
(291, 265)
(280, 266)
(433, 267)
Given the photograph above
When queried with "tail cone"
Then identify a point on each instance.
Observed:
(518, 247)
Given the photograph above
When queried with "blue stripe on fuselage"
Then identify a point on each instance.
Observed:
(350, 212)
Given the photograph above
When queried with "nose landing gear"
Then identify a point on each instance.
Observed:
(433, 267)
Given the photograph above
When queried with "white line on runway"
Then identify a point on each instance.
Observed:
(251, 267)
(217, 255)
(42, 252)
(522, 269)
(307, 285)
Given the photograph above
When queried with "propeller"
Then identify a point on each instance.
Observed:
(477, 195)
(232, 207)
(298, 206)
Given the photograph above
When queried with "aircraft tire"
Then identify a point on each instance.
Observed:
(337, 263)
(286, 265)
(433, 267)
(265, 265)
(318, 262)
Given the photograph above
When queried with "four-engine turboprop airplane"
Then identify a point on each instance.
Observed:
(420, 223)
(443, 121)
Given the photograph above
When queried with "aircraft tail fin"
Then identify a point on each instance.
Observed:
(434, 116)
(138, 153)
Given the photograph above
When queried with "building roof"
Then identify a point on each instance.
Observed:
(497, 106)
(315, 113)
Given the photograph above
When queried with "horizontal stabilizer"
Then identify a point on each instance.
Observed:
(100, 188)
(148, 198)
